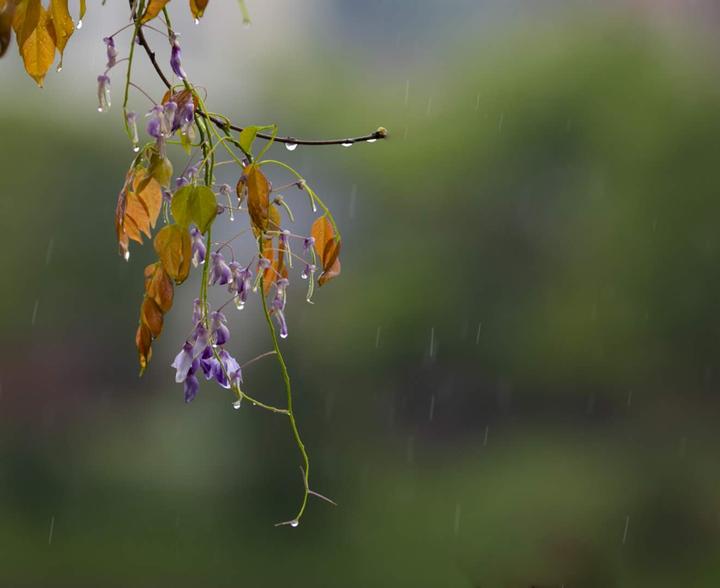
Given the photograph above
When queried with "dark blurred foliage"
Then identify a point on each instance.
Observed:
(513, 383)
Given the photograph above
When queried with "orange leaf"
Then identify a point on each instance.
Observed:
(327, 246)
(151, 317)
(254, 183)
(137, 208)
(158, 286)
(143, 342)
(153, 9)
(173, 247)
(197, 7)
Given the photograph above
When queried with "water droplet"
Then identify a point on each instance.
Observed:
(371, 140)
(126, 255)
(100, 108)
(232, 216)
(59, 68)
(79, 25)
(246, 24)
(294, 523)
(239, 304)
(237, 404)
(197, 21)
(136, 148)
(347, 144)
(283, 335)
(291, 146)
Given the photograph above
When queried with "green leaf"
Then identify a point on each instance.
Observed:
(160, 168)
(247, 136)
(194, 204)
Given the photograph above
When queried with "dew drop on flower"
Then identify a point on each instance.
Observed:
(294, 523)
(347, 144)
(284, 336)
(371, 140)
(197, 21)
(126, 255)
(291, 146)
(237, 404)
(136, 148)
(79, 25)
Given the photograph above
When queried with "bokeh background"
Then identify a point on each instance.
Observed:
(514, 382)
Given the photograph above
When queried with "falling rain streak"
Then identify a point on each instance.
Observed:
(501, 122)
(34, 312)
(432, 407)
(428, 110)
(432, 349)
(485, 438)
(49, 251)
(377, 337)
(477, 335)
(407, 92)
(456, 524)
(625, 532)
(52, 529)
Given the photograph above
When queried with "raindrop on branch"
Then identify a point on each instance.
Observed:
(347, 144)
(291, 146)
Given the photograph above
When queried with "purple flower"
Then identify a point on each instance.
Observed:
(200, 339)
(308, 243)
(221, 273)
(278, 305)
(198, 247)
(103, 93)
(191, 382)
(111, 52)
(156, 124)
(131, 119)
(169, 112)
(176, 59)
(219, 332)
(241, 284)
(197, 311)
(309, 270)
(183, 362)
(209, 364)
(186, 117)
(232, 369)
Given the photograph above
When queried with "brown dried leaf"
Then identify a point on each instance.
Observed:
(158, 286)
(151, 317)
(7, 13)
(327, 247)
(137, 208)
(173, 247)
(143, 342)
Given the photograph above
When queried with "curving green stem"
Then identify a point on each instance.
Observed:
(290, 413)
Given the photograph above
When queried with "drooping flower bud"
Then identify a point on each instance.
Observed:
(198, 247)
(308, 243)
(186, 117)
(169, 111)
(278, 305)
(176, 59)
(183, 362)
(131, 119)
(191, 382)
(111, 52)
(103, 93)
(197, 311)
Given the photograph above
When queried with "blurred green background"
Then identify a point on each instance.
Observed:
(512, 384)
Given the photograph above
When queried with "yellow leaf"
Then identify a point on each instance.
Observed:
(173, 247)
(143, 342)
(151, 316)
(153, 9)
(197, 7)
(63, 23)
(38, 49)
(327, 246)
(83, 7)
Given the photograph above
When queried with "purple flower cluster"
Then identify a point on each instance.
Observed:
(204, 351)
